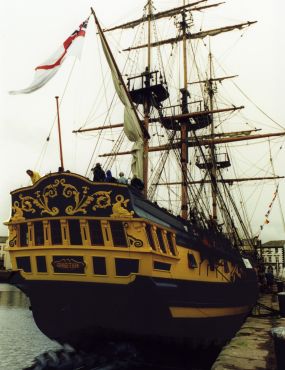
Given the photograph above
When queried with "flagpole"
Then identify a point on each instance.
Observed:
(59, 135)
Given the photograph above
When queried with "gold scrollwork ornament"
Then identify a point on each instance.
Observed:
(103, 199)
(135, 242)
(12, 241)
(80, 203)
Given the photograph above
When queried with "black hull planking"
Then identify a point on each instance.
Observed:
(83, 313)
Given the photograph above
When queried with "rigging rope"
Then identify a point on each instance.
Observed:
(256, 106)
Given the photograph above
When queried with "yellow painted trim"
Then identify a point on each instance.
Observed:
(17, 222)
(205, 312)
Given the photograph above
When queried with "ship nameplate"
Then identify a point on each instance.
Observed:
(70, 264)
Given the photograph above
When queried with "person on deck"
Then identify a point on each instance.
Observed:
(137, 183)
(35, 176)
(109, 177)
(122, 179)
(98, 173)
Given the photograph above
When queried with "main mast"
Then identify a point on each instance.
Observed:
(184, 125)
(212, 146)
(146, 105)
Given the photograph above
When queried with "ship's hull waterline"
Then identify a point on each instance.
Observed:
(196, 313)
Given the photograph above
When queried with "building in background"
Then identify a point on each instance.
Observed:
(4, 258)
(272, 256)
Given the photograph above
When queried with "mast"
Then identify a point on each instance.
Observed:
(184, 125)
(147, 89)
(59, 135)
(146, 105)
(212, 146)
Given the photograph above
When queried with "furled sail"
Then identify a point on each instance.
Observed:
(167, 13)
(133, 128)
(197, 35)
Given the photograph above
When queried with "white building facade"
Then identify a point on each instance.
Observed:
(272, 255)
(4, 257)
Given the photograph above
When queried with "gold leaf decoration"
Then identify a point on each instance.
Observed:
(80, 204)
(18, 212)
(12, 236)
(40, 201)
(135, 242)
(79, 199)
(103, 199)
(120, 208)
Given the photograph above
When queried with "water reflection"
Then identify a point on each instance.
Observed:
(20, 339)
(12, 297)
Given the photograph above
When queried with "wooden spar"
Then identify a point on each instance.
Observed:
(229, 134)
(146, 134)
(166, 118)
(198, 35)
(219, 79)
(218, 141)
(223, 180)
(163, 14)
(196, 114)
(177, 144)
(98, 128)
(119, 125)
(59, 135)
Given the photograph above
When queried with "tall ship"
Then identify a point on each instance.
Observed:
(163, 252)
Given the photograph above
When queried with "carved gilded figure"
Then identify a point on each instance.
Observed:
(120, 207)
(18, 214)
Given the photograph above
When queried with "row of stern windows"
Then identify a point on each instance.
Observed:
(93, 232)
(76, 265)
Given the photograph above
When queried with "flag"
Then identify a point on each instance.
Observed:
(72, 46)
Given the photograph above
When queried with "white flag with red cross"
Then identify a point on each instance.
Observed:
(72, 46)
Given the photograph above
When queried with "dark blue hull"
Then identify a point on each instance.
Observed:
(83, 313)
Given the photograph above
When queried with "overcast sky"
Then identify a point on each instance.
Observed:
(31, 30)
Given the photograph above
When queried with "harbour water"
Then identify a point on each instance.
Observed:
(20, 339)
